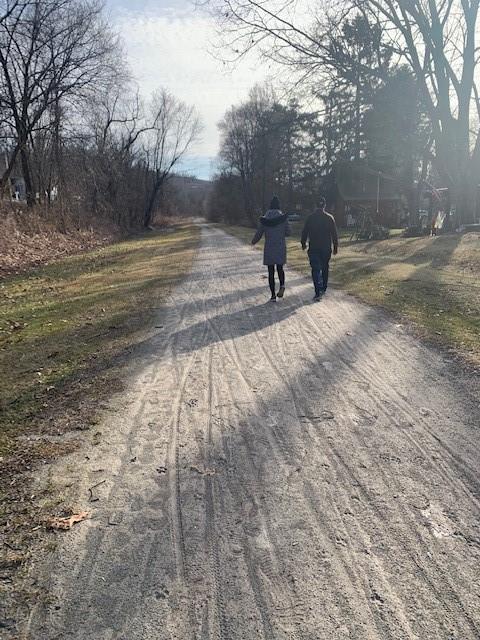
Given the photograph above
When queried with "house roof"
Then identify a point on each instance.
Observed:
(356, 181)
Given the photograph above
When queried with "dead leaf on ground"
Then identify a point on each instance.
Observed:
(15, 326)
(64, 524)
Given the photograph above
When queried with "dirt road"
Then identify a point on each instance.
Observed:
(276, 471)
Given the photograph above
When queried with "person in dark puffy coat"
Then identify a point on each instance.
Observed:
(274, 225)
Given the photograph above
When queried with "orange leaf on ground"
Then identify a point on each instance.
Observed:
(67, 523)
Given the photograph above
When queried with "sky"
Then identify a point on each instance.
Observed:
(169, 44)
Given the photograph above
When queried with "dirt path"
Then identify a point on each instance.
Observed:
(289, 471)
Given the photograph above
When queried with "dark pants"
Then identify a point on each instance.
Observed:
(320, 263)
(271, 276)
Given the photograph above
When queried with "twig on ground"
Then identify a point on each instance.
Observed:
(90, 491)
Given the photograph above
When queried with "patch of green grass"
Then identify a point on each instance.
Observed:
(64, 327)
(432, 282)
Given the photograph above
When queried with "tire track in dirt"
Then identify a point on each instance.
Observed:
(235, 491)
(211, 538)
(293, 396)
(406, 514)
(244, 491)
(399, 403)
(286, 449)
(278, 443)
(98, 537)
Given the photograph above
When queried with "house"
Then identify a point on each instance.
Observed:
(358, 189)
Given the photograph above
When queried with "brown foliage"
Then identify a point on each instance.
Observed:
(29, 239)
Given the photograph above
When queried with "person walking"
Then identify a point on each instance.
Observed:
(274, 225)
(320, 231)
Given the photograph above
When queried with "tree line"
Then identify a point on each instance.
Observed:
(393, 84)
(72, 123)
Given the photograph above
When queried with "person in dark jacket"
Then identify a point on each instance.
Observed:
(320, 231)
(274, 225)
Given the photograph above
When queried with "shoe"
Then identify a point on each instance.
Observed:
(273, 298)
(316, 298)
(281, 292)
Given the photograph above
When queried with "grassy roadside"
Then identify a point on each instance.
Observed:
(66, 330)
(432, 282)
(63, 327)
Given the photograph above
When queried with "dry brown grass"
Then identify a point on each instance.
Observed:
(31, 238)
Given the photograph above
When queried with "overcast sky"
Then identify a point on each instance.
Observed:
(168, 44)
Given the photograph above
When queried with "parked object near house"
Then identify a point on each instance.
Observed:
(367, 229)
(358, 188)
(440, 211)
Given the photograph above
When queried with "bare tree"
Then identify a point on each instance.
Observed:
(239, 129)
(437, 39)
(172, 128)
(50, 51)
(253, 136)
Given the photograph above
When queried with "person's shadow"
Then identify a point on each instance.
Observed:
(228, 326)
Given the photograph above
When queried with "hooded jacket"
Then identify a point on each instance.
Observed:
(274, 225)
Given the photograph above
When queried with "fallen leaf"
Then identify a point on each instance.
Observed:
(64, 524)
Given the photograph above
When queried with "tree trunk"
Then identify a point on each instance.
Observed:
(58, 149)
(465, 196)
(247, 198)
(8, 172)
(290, 172)
(27, 176)
(357, 121)
(150, 208)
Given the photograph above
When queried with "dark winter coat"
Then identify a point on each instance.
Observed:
(320, 231)
(274, 225)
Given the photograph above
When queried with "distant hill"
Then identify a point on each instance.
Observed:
(191, 184)
(187, 196)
